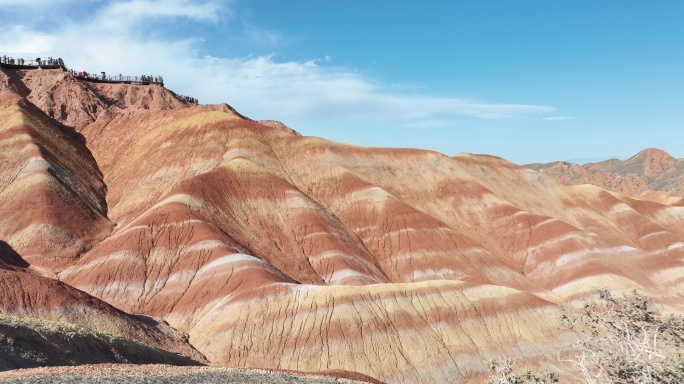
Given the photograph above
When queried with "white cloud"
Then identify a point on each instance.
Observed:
(427, 123)
(140, 9)
(558, 118)
(260, 86)
(261, 36)
(305, 90)
(33, 3)
(18, 40)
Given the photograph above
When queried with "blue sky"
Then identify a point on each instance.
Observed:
(530, 81)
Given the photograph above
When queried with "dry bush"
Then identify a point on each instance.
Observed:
(621, 340)
(502, 373)
(626, 341)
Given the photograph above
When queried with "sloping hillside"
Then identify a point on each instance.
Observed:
(273, 250)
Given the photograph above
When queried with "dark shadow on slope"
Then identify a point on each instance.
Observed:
(96, 91)
(149, 320)
(10, 257)
(32, 344)
(71, 132)
(16, 82)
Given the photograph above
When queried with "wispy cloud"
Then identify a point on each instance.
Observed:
(141, 9)
(428, 124)
(34, 3)
(112, 39)
(261, 36)
(558, 118)
(305, 90)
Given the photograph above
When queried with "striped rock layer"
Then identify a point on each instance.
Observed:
(273, 250)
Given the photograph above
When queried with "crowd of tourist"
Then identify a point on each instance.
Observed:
(102, 77)
(188, 99)
(38, 62)
(144, 79)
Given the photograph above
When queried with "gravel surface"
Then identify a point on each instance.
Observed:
(157, 374)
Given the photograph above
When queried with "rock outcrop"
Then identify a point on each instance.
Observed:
(278, 251)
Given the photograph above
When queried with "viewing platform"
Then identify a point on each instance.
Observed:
(58, 63)
(102, 77)
(47, 63)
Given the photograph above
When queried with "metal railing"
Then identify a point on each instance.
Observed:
(49, 62)
(104, 78)
(32, 63)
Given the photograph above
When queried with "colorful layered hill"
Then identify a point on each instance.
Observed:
(127, 211)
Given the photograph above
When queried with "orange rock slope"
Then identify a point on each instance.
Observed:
(272, 250)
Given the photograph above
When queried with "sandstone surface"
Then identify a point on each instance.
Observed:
(273, 250)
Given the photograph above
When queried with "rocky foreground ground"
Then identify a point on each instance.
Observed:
(162, 374)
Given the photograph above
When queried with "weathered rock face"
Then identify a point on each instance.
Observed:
(52, 196)
(279, 251)
(651, 174)
(77, 103)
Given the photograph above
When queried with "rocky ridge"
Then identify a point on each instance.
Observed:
(193, 229)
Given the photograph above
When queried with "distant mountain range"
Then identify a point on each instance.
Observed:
(651, 174)
(584, 160)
